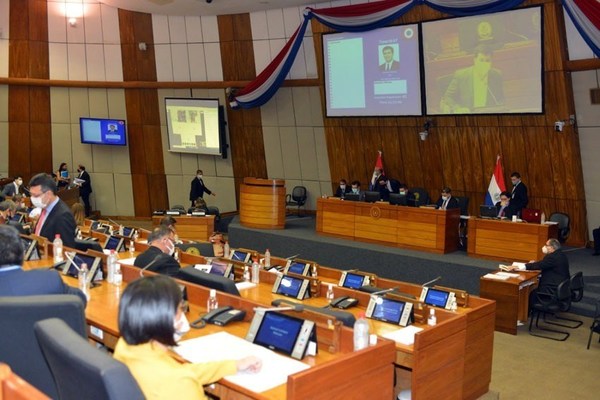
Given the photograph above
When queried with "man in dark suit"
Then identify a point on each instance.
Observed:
(446, 201)
(389, 63)
(16, 282)
(14, 187)
(505, 206)
(56, 217)
(342, 189)
(596, 235)
(518, 196)
(198, 188)
(158, 257)
(85, 189)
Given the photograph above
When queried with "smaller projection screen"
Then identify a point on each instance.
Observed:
(373, 73)
(193, 125)
(486, 64)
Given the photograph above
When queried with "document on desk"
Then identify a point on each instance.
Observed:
(126, 261)
(245, 285)
(404, 335)
(224, 346)
(496, 277)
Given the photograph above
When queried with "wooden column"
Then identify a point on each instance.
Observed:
(29, 134)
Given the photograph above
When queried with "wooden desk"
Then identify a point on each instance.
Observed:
(69, 196)
(506, 240)
(262, 203)
(512, 298)
(191, 228)
(421, 228)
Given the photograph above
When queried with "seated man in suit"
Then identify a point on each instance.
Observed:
(56, 217)
(403, 191)
(158, 257)
(342, 189)
(8, 209)
(446, 201)
(356, 190)
(14, 281)
(504, 206)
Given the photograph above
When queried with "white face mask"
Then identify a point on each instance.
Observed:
(403, 193)
(171, 248)
(182, 326)
(343, 187)
(354, 190)
(199, 176)
(545, 249)
(444, 198)
(37, 202)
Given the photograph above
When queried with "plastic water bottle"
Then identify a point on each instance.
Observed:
(329, 294)
(226, 249)
(267, 258)
(246, 274)
(135, 235)
(121, 230)
(131, 247)
(255, 271)
(212, 303)
(361, 332)
(432, 320)
(79, 236)
(82, 277)
(118, 277)
(57, 249)
(111, 263)
(543, 219)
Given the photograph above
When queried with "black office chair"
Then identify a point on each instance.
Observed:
(595, 328)
(297, 198)
(463, 203)
(576, 286)
(564, 225)
(178, 207)
(80, 370)
(550, 302)
(18, 345)
(421, 196)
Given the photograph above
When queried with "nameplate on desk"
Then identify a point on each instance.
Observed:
(198, 214)
(172, 213)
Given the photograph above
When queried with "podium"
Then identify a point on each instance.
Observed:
(262, 203)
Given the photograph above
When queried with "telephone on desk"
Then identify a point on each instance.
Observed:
(344, 302)
(220, 316)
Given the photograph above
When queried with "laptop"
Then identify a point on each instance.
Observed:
(486, 211)
(531, 215)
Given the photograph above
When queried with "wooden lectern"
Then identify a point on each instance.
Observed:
(262, 203)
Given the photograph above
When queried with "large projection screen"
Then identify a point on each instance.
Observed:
(193, 125)
(373, 73)
(485, 64)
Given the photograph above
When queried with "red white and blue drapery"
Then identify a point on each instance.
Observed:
(585, 15)
(353, 18)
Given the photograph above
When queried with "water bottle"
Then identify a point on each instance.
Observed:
(246, 274)
(135, 235)
(118, 277)
(212, 303)
(79, 236)
(57, 249)
(329, 294)
(432, 320)
(267, 258)
(255, 271)
(83, 285)
(131, 247)
(121, 230)
(543, 219)
(111, 262)
(361, 332)
(226, 249)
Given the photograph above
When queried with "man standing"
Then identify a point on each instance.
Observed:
(198, 188)
(13, 188)
(56, 217)
(85, 188)
(518, 197)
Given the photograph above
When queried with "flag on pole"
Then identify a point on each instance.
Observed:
(497, 184)
(378, 165)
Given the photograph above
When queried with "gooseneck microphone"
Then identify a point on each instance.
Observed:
(426, 284)
(149, 265)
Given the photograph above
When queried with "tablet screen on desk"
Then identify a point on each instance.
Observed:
(93, 263)
(353, 281)
(127, 232)
(237, 255)
(388, 310)
(297, 267)
(114, 243)
(220, 268)
(31, 250)
(289, 286)
(437, 298)
(278, 332)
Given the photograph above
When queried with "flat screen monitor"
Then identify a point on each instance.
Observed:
(372, 197)
(238, 255)
(128, 232)
(291, 286)
(373, 73)
(486, 211)
(484, 64)
(352, 196)
(297, 267)
(103, 131)
(352, 281)
(388, 310)
(221, 268)
(18, 218)
(114, 243)
(31, 252)
(279, 332)
(437, 298)
(94, 264)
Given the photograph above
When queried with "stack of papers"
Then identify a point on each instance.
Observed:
(496, 276)
(245, 285)
(224, 346)
(404, 335)
(126, 261)
(508, 274)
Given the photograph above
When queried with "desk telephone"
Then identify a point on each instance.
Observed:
(344, 302)
(220, 316)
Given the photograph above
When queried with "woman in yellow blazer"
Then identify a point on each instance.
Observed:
(150, 321)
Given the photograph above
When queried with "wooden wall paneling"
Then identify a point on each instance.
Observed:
(19, 154)
(411, 155)
(153, 149)
(228, 65)
(538, 181)
(514, 154)
(431, 163)
(41, 147)
(141, 194)
(135, 135)
(18, 107)
(38, 20)
(339, 159)
(149, 115)
(19, 20)
(452, 167)
(39, 104)
(472, 166)
(18, 59)
(553, 57)
(394, 165)
(39, 56)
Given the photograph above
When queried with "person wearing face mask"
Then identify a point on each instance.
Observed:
(55, 216)
(518, 196)
(474, 87)
(342, 189)
(14, 187)
(446, 201)
(378, 175)
(198, 188)
(151, 320)
(158, 257)
(62, 176)
(8, 210)
(356, 190)
(505, 207)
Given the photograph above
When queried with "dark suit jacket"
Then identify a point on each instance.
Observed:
(394, 67)
(35, 282)
(198, 189)
(554, 267)
(164, 264)
(86, 187)
(60, 221)
(509, 211)
(338, 192)
(9, 189)
(452, 203)
(460, 90)
(519, 197)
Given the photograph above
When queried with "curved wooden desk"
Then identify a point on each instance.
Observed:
(262, 203)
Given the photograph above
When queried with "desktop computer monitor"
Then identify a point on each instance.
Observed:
(372, 197)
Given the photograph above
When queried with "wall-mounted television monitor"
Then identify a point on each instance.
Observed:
(196, 126)
(103, 131)
(484, 64)
(373, 73)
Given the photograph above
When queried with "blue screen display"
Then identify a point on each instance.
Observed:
(388, 310)
(297, 268)
(353, 281)
(239, 256)
(103, 131)
(80, 260)
(289, 286)
(218, 268)
(436, 298)
(127, 231)
(278, 332)
(112, 243)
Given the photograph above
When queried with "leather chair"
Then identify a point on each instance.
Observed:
(80, 370)
(595, 328)
(421, 196)
(576, 286)
(564, 225)
(550, 302)
(297, 198)
(18, 344)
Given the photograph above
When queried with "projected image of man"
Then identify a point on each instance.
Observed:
(474, 87)
(389, 63)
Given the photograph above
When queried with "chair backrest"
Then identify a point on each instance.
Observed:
(18, 344)
(563, 294)
(178, 207)
(577, 286)
(299, 194)
(564, 225)
(220, 283)
(80, 370)
(421, 196)
(463, 203)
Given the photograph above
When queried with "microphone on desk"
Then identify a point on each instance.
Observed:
(292, 257)
(426, 284)
(149, 265)
(383, 291)
(295, 307)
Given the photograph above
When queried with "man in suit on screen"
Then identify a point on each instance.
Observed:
(388, 57)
